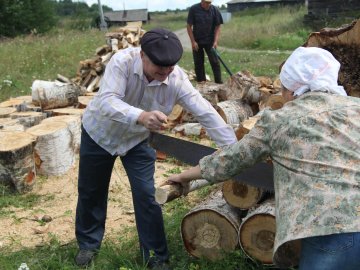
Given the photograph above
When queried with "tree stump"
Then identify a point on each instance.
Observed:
(8, 124)
(234, 111)
(49, 95)
(344, 44)
(54, 153)
(74, 125)
(210, 229)
(6, 111)
(242, 196)
(257, 233)
(17, 165)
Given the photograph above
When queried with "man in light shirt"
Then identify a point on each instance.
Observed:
(139, 89)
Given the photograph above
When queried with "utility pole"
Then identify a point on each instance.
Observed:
(103, 25)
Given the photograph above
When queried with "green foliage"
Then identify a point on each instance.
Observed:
(26, 16)
(25, 59)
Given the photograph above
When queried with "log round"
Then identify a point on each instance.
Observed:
(74, 124)
(234, 111)
(6, 111)
(210, 229)
(50, 95)
(257, 233)
(241, 195)
(8, 124)
(54, 154)
(17, 164)
(84, 101)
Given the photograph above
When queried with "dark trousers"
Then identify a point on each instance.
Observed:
(331, 252)
(199, 58)
(95, 169)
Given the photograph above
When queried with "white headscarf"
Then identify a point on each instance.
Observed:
(311, 69)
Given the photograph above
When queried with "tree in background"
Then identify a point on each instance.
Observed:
(26, 16)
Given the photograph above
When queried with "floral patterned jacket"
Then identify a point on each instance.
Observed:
(314, 143)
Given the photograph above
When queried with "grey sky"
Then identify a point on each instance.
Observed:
(152, 5)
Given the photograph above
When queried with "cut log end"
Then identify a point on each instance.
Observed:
(208, 234)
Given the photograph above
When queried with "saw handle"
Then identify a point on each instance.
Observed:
(222, 62)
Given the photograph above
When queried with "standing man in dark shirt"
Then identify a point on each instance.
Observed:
(203, 27)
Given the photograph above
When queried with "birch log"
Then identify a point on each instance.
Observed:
(234, 111)
(17, 165)
(74, 125)
(168, 193)
(241, 195)
(49, 95)
(210, 229)
(54, 153)
(257, 233)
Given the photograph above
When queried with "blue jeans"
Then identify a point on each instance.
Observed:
(95, 169)
(331, 252)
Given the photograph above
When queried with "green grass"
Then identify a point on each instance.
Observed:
(121, 252)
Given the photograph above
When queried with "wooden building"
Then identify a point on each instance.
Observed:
(121, 17)
(320, 8)
(238, 5)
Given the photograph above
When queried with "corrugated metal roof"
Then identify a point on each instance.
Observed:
(127, 15)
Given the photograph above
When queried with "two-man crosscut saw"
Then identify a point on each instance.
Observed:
(260, 175)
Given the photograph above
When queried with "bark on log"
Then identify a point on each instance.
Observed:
(234, 111)
(243, 196)
(17, 165)
(28, 119)
(344, 44)
(168, 193)
(54, 153)
(245, 86)
(257, 233)
(74, 125)
(49, 95)
(210, 229)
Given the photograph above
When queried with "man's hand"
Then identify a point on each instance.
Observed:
(153, 120)
(194, 46)
(177, 180)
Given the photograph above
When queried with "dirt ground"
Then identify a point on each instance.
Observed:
(21, 228)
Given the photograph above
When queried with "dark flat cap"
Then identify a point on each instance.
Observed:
(162, 46)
